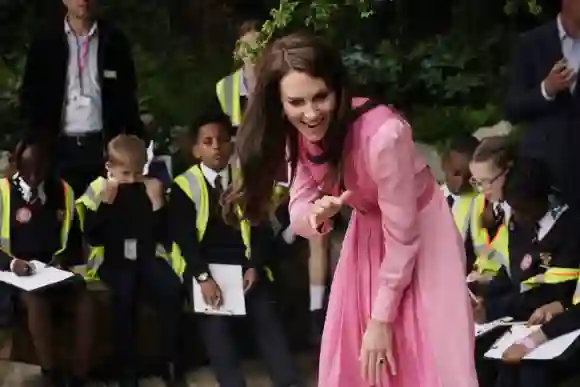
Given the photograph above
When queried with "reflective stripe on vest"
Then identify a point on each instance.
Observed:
(91, 201)
(194, 186)
(491, 255)
(228, 93)
(553, 275)
(462, 210)
(5, 192)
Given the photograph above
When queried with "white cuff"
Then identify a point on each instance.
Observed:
(545, 94)
(12, 264)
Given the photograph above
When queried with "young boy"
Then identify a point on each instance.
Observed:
(124, 224)
(457, 188)
(39, 223)
(201, 237)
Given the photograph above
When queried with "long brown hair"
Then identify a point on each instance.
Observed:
(265, 133)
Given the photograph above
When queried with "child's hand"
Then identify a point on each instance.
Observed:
(545, 313)
(211, 292)
(109, 192)
(515, 353)
(250, 278)
(22, 268)
(479, 315)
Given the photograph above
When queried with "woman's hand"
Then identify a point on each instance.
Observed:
(376, 352)
(326, 207)
(545, 313)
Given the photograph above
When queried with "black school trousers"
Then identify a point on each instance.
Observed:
(153, 281)
(267, 330)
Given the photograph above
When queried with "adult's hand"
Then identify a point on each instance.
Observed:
(376, 352)
(326, 207)
(560, 78)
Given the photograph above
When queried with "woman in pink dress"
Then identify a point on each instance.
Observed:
(399, 313)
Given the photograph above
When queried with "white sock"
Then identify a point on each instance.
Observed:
(316, 297)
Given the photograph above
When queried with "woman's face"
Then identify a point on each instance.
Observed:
(308, 104)
(488, 178)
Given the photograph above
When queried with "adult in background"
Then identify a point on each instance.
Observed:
(399, 313)
(544, 94)
(79, 91)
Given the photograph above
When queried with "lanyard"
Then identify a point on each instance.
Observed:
(82, 53)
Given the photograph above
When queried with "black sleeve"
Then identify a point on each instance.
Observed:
(160, 231)
(97, 223)
(183, 231)
(73, 253)
(261, 241)
(524, 99)
(563, 323)
(32, 88)
(5, 260)
(128, 79)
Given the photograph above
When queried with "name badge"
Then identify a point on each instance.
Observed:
(131, 249)
(110, 74)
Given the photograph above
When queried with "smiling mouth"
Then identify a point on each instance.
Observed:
(314, 125)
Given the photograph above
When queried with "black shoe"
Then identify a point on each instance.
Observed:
(75, 381)
(51, 378)
(317, 318)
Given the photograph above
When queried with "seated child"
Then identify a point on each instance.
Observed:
(124, 224)
(542, 248)
(202, 236)
(39, 223)
(458, 190)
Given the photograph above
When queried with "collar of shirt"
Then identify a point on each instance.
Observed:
(68, 29)
(446, 192)
(211, 175)
(547, 222)
(243, 87)
(507, 210)
(26, 190)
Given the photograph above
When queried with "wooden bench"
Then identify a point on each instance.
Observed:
(290, 290)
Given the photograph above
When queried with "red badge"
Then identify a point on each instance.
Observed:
(23, 215)
(526, 262)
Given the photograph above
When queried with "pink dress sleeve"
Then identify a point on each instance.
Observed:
(303, 191)
(391, 166)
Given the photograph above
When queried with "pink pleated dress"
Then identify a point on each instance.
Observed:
(402, 261)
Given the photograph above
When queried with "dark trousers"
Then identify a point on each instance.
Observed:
(160, 286)
(527, 374)
(267, 329)
(80, 160)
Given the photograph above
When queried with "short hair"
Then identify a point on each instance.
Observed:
(212, 116)
(498, 149)
(464, 144)
(249, 25)
(127, 149)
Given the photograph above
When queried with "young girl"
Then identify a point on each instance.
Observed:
(545, 255)
(125, 223)
(398, 293)
(489, 234)
(39, 223)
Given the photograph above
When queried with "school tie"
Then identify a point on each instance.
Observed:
(450, 201)
(219, 187)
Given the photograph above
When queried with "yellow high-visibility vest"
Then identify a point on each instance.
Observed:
(193, 184)
(491, 255)
(462, 210)
(553, 275)
(90, 200)
(228, 94)
(68, 216)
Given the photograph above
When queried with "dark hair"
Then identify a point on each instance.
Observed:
(249, 25)
(464, 144)
(499, 150)
(265, 135)
(209, 117)
(528, 180)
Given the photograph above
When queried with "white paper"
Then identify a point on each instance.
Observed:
(482, 329)
(43, 276)
(547, 351)
(150, 155)
(231, 282)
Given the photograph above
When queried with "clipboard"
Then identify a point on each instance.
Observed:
(44, 276)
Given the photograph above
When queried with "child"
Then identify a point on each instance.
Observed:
(457, 188)
(124, 215)
(202, 236)
(544, 251)
(39, 223)
(488, 227)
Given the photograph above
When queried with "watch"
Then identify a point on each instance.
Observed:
(202, 277)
